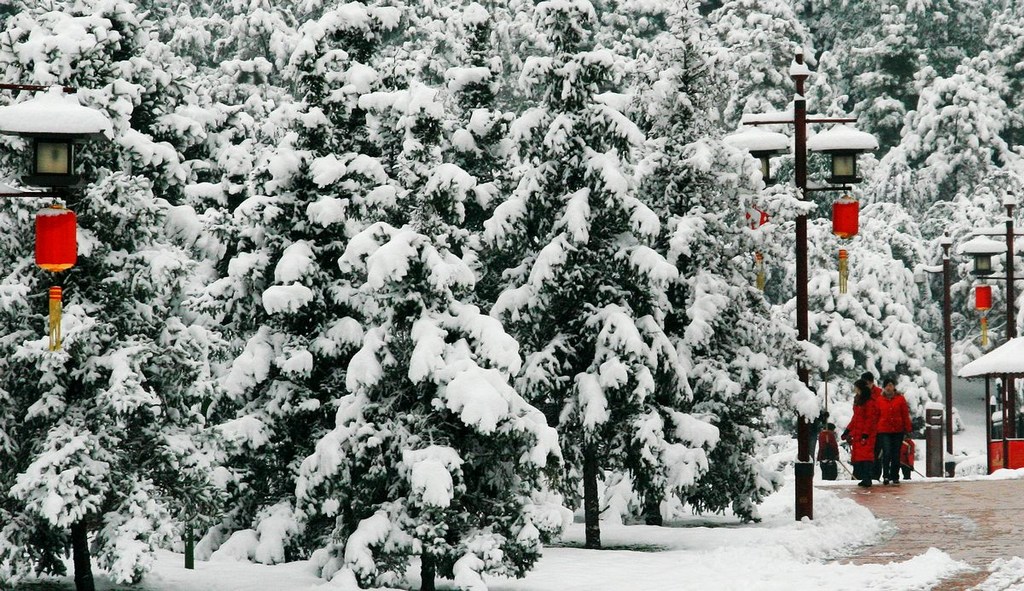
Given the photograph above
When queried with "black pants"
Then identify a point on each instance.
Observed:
(829, 470)
(876, 470)
(863, 470)
(891, 443)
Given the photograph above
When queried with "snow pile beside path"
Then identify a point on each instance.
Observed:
(1007, 574)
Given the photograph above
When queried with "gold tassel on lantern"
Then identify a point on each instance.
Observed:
(844, 271)
(984, 331)
(55, 310)
(759, 267)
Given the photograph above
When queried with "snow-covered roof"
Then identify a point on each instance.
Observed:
(9, 189)
(983, 245)
(842, 137)
(1006, 359)
(990, 231)
(52, 112)
(758, 140)
(772, 117)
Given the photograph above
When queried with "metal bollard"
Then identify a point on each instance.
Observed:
(933, 442)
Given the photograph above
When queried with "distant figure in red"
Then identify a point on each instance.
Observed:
(828, 452)
(861, 433)
(893, 425)
(907, 452)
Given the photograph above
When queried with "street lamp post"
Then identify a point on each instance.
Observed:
(843, 146)
(1010, 392)
(55, 123)
(947, 339)
(982, 249)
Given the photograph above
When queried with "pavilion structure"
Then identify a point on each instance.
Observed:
(1004, 363)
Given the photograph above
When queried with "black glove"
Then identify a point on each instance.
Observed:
(863, 437)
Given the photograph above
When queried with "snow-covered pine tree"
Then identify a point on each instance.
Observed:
(434, 455)
(479, 142)
(717, 319)
(950, 31)
(758, 39)
(880, 63)
(1005, 42)
(282, 301)
(953, 137)
(585, 291)
(104, 436)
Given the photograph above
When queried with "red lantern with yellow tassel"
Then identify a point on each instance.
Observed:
(56, 251)
(845, 224)
(755, 219)
(983, 303)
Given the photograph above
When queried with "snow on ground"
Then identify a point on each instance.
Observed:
(699, 553)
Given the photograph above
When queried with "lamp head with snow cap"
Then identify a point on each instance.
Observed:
(761, 144)
(982, 249)
(843, 143)
(55, 122)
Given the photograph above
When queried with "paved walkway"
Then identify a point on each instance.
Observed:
(973, 521)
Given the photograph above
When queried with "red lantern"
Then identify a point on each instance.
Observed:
(983, 303)
(845, 217)
(983, 298)
(756, 218)
(56, 250)
(56, 239)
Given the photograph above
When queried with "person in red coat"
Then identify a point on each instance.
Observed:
(828, 452)
(893, 425)
(876, 393)
(861, 433)
(907, 453)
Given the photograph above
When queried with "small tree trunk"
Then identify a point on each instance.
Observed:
(190, 547)
(428, 570)
(80, 554)
(652, 511)
(591, 503)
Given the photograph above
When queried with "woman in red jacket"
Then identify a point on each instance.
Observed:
(893, 424)
(861, 432)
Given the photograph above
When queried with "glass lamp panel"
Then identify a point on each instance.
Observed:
(765, 169)
(844, 165)
(982, 264)
(53, 157)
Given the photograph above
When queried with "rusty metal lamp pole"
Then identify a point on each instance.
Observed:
(947, 343)
(804, 467)
(947, 338)
(1010, 391)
